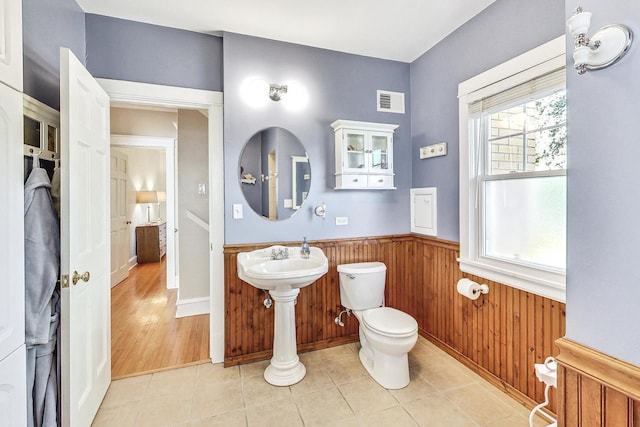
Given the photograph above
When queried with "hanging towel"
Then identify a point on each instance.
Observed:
(42, 256)
(42, 260)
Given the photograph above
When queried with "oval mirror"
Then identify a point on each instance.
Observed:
(275, 173)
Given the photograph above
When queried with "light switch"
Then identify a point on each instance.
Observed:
(237, 211)
(288, 203)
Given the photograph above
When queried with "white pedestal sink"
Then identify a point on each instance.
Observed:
(283, 278)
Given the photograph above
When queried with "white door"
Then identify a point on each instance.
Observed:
(119, 221)
(85, 247)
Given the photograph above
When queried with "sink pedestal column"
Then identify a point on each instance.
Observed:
(285, 368)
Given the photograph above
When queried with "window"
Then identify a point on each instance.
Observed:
(513, 140)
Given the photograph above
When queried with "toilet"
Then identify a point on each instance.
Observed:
(386, 334)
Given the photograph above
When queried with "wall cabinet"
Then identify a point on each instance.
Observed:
(11, 43)
(151, 242)
(364, 155)
(11, 222)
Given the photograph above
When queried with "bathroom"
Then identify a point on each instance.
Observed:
(421, 270)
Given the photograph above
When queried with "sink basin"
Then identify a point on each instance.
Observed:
(283, 278)
(259, 270)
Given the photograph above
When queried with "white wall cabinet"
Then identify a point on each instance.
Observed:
(13, 389)
(13, 382)
(364, 155)
(11, 222)
(11, 43)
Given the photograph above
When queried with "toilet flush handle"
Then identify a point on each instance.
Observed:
(351, 276)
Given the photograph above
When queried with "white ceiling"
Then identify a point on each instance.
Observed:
(399, 30)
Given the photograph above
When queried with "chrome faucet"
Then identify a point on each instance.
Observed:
(280, 254)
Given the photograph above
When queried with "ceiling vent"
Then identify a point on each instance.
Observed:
(390, 102)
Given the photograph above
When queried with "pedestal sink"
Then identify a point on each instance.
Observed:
(282, 272)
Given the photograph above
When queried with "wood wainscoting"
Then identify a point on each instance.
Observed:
(500, 335)
(598, 389)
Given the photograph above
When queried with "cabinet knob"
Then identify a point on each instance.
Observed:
(381, 180)
(127, 222)
(355, 180)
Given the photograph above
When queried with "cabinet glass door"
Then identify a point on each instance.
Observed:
(380, 152)
(355, 158)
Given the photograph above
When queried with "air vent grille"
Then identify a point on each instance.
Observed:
(390, 102)
(385, 101)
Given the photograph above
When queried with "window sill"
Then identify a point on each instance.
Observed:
(544, 283)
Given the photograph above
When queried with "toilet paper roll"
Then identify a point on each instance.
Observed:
(469, 288)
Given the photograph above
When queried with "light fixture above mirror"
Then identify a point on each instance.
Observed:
(257, 93)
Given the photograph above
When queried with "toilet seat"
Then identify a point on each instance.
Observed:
(389, 322)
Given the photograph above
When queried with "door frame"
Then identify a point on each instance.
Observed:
(168, 144)
(210, 101)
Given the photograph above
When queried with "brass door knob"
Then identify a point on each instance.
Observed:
(84, 276)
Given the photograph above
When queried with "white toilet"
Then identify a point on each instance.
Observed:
(386, 334)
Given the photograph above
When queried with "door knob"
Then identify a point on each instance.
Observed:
(84, 276)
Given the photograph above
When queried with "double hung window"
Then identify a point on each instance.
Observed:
(513, 176)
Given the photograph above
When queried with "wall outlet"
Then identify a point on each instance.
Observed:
(342, 220)
(434, 150)
(237, 211)
(202, 189)
(288, 203)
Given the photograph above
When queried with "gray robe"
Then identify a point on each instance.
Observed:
(42, 260)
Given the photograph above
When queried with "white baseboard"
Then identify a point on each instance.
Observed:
(133, 261)
(192, 307)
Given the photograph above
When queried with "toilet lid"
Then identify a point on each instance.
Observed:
(389, 321)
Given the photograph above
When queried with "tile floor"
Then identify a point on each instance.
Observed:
(336, 391)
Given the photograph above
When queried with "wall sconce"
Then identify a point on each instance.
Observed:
(147, 197)
(257, 93)
(605, 48)
(276, 92)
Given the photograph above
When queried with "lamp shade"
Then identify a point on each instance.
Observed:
(146, 197)
(162, 196)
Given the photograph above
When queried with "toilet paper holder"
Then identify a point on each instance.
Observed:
(470, 289)
(483, 289)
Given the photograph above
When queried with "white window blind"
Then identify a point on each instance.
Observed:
(545, 83)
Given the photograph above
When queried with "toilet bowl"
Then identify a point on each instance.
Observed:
(386, 334)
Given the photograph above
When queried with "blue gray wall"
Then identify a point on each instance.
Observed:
(127, 50)
(340, 86)
(495, 35)
(46, 26)
(603, 279)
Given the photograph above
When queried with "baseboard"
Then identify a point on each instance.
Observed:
(133, 261)
(192, 307)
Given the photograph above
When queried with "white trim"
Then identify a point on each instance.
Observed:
(168, 144)
(133, 261)
(176, 97)
(536, 56)
(197, 220)
(192, 307)
(540, 60)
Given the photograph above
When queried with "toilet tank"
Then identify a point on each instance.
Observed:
(362, 285)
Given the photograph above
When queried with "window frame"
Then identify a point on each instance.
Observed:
(549, 283)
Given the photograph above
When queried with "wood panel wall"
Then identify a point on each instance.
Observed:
(598, 390)
(501, 335)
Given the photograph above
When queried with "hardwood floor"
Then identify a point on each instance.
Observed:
(145, 335)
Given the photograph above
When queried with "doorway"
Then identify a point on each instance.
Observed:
(211, 103)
